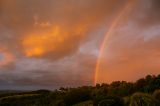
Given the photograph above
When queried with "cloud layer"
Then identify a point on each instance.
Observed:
(48, 44)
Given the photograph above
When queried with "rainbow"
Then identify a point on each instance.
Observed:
(106, 38)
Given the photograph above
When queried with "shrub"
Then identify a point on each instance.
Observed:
(111, 101)
(156, 95)
(142, 99)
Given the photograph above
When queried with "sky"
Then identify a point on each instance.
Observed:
(46, 44)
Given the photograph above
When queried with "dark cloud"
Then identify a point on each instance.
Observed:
(76, 71)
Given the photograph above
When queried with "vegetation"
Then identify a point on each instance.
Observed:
(144, 92)
(142, 99)
(86, 103)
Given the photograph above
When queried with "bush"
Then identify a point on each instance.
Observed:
(126, 100)
(156, 95)
(142, 99)
(109, 101)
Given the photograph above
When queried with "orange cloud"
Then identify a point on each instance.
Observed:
(55, 40)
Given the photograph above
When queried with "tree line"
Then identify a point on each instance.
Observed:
(143, 92)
